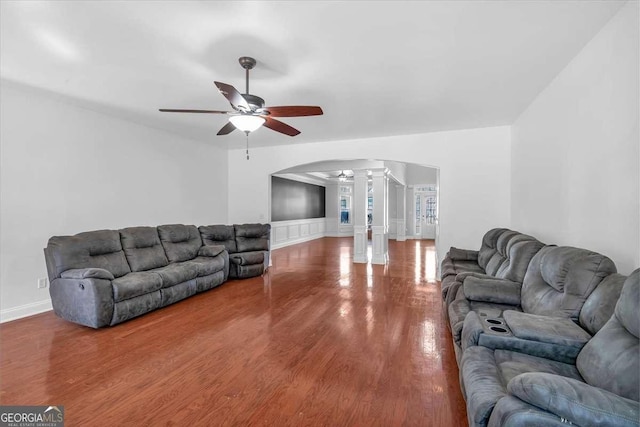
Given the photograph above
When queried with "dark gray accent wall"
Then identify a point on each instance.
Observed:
(296, 200)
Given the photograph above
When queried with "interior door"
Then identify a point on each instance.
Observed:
(428, 217)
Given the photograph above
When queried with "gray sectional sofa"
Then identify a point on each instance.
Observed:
(506, 387)
(558, 347)
(101, 278)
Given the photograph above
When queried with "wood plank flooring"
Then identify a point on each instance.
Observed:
(317, 341)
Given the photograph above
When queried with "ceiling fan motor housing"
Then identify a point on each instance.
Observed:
(255, 102)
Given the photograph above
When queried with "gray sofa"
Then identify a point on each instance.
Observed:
(503, 257)
(105, 277)
(552, 337)
(557, 283)
(247, 245)
(599, 387)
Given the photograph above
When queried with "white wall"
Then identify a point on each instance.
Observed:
(474, 176)
(421, 175)
(66, 169)
(575, 155)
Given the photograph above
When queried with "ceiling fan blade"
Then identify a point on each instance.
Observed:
(173, 110)
(227, 129)
(234, 97)
(294, 111)
(278, 126)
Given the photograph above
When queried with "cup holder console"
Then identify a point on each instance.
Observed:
(496, 326)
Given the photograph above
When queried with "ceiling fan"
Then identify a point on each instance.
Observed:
(249, 112)
(342, 177)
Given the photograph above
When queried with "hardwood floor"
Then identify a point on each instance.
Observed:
(317, 341)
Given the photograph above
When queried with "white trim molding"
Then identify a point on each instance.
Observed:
(14, 313)
(285, 233)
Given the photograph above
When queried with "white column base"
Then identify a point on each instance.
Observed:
(360, 243)
(379, 237)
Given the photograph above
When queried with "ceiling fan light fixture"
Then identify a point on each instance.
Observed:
(246, 122)
(342, 177)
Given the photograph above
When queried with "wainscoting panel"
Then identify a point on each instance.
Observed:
(285, 233)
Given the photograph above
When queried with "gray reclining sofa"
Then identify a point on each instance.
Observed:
(557, 283)
(599, 387)
(504, 255)
(247, 245)
(105, 277)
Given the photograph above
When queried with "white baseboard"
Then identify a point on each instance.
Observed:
(26, 310)
(296, 241)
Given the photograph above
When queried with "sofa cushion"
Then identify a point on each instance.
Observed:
(610, 359)
(180, 242)
(211, 251)
(599, 307)
(142, 248)
(512, 364)
(560, 278)
(174, 274)
(500, 255)
(520, 250)
(252, 237)
(488, 246)
(207, 265)
(553, 330)
(87, 273)
(135, 284)
(92, 249)
(574, 401)
(224, 235)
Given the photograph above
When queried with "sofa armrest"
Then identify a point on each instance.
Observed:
(553, 330)
(462, 254)
(491, 289)
(87, 273)
(461, 276)
(211, 250)
(86, 301)
(575, 401)
(471, 330)
(247, 258)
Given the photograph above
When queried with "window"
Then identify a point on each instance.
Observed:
(430, 207)
(345, 205)
(345, 209)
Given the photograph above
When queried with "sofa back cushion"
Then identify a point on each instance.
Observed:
(224, 235)
(488, 246)
(142, 248)
(180, 242)
(519, 252)
(500, 253)
(252, 237)
(610, 360)
(599, 307)
(97, 249)
(560, 278)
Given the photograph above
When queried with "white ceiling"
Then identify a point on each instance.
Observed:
(376, 68)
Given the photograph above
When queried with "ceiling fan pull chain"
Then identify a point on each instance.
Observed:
(247, 133)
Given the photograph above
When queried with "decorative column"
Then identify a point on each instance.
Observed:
(379, 227)
(411, 212)
(401, 209)
(360, 239)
